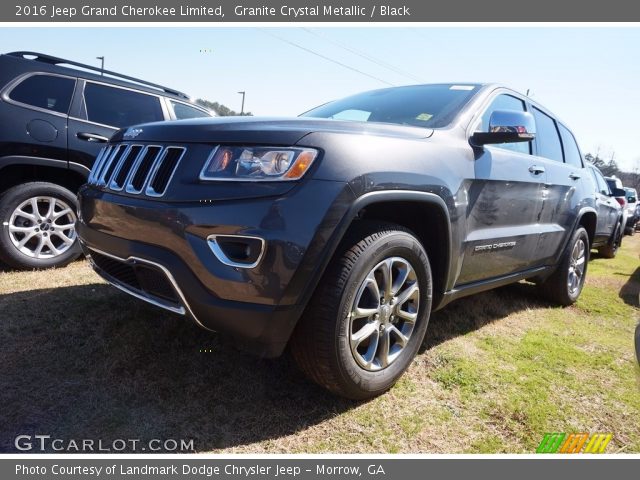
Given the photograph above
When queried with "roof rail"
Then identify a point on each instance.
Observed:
(40, 57)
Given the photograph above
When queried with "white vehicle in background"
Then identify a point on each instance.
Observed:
(632, 203)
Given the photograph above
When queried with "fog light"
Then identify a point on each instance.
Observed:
(240, 251)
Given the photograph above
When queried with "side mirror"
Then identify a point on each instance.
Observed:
(507, 126)
(618, 192)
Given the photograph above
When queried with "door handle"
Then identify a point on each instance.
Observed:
(92, 137)
(574, 176)
(536, 169)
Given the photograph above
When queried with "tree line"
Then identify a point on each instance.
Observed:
(221, 110)
(610, 169)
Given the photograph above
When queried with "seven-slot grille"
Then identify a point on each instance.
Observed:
(136, 168)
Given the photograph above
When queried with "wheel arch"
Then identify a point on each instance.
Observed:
(15, 170)
(421, 211)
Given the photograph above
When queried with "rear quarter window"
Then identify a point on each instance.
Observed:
(49, 92)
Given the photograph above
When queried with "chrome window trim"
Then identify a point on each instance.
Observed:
(17, 81)
(220, 255)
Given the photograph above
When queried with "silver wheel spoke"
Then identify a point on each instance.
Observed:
(38, 249)
(52, 248)
(385, 269)
(66, 226)
(401, 337)
(383, 349)
(34, 208)
(407, 316)
(23, 242)
(408, 293)
(13, 228)
(364, 333)
(63, 237)
(21, 213)
(52, 207)
(61, 213)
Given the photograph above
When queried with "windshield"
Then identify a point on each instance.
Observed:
(429, 106)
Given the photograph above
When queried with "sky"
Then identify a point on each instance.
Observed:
(587, 76)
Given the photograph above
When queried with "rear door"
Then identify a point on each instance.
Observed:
(504, 203)
(38, 106)
(103, 109)
(558, 152)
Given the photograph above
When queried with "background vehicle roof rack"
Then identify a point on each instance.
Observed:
(41, 57)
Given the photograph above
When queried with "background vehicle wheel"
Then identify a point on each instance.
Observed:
(565, 284)
(610, 250)
(369, 314)
(38, 226)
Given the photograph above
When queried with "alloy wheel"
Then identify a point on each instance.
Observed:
(43, 227)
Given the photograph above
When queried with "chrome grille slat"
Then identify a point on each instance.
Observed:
(136, 169)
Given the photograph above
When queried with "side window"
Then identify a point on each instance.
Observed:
(571, 152)
(45, 91)
(603, 186)
(184, 111)
(547, 137)
(119, 107)
(505, 102)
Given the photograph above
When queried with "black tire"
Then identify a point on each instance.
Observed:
(27, 257)
(556, 287)
(321, 343)
(611, 249)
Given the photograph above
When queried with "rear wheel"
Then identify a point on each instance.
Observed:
(565, 284)
(369, 314)
(38, 226)
(610, 250)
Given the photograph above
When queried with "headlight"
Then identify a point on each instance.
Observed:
(258, 163)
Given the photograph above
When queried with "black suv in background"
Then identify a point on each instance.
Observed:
(338, 232)
(55, 116)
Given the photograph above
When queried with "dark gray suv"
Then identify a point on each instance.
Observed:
(56, 114)
(338, 232)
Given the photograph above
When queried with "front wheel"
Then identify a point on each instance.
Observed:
(369, 314)
(565, 284)
(38, 226)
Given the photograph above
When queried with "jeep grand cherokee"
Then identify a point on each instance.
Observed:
(55, 115)
(338, 232)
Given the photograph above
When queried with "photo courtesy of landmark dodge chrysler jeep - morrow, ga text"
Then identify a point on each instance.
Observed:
(336, 233)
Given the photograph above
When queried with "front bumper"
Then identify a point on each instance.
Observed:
(159, 253)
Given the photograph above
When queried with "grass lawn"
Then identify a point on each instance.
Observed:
(82, 360)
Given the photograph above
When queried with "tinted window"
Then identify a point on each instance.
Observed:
(505, 102)
(547, 138)
(45, 91)
(603, 187)
(571, 152)
(184, 111)
(431, 106)
(119, 107)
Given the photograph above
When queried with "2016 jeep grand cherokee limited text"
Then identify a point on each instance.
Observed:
(338, 232)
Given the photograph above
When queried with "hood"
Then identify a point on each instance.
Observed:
(257, 130)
